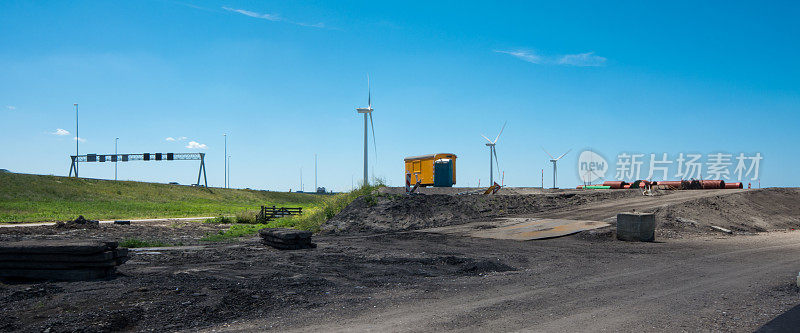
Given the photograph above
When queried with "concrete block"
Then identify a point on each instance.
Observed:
(636, 227)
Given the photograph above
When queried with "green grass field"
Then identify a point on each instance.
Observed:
(34, 198)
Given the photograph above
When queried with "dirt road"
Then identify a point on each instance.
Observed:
(570, 284)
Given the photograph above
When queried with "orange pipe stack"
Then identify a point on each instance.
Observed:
(676, 184)
(732, 186)
(615, 184)
(712, 184)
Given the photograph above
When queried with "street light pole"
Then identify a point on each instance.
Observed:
(77, 140)
(225, 175)
(115, 158)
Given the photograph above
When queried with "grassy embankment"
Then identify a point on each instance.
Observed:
(34, 198)
(311, 219)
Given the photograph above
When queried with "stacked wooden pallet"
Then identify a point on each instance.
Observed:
(60, 260)
(286, 239)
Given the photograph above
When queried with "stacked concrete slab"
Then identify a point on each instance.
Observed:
(286, 239)
(60, 260)
(636, 227)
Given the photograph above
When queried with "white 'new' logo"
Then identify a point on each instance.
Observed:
(591, 166)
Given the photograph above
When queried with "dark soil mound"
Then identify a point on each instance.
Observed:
(79, 223)
(386, 212)
(747, 211)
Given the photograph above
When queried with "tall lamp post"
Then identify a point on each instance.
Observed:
(115, 158)
(77, 140)
(225, 171)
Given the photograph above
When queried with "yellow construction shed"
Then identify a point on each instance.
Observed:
(433, 170)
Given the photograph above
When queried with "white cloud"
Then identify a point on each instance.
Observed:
(79, 139)
(195, 145)
(183, 138)
(272, 17)
(60, 131)
(528, 56)
(180, 138)
(169, 138)
(315, 25)
(588, 59)
(11, 107)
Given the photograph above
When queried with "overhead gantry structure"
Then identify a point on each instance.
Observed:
(115, 158)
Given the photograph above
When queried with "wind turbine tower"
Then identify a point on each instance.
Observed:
(555, 165)
(367, 113)
(493, 152)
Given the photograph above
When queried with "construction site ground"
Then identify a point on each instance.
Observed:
(381, 265)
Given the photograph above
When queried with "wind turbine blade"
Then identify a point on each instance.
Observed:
(373, 135)
(487, 139)
(501, 132)
(551, 156)
(369, 94)
(563, 154)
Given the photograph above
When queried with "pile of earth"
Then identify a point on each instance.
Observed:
(387, 212)
(747, 211)
(79, 223)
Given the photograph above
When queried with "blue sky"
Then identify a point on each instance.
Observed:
(282, 78)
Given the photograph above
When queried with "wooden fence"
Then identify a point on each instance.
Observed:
(270, 213)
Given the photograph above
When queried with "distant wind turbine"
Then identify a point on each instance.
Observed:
(368, 113)
(493, 152)
(555, 166)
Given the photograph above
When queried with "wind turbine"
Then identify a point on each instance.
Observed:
(555, 166)
(368, 113)
(493, 152)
